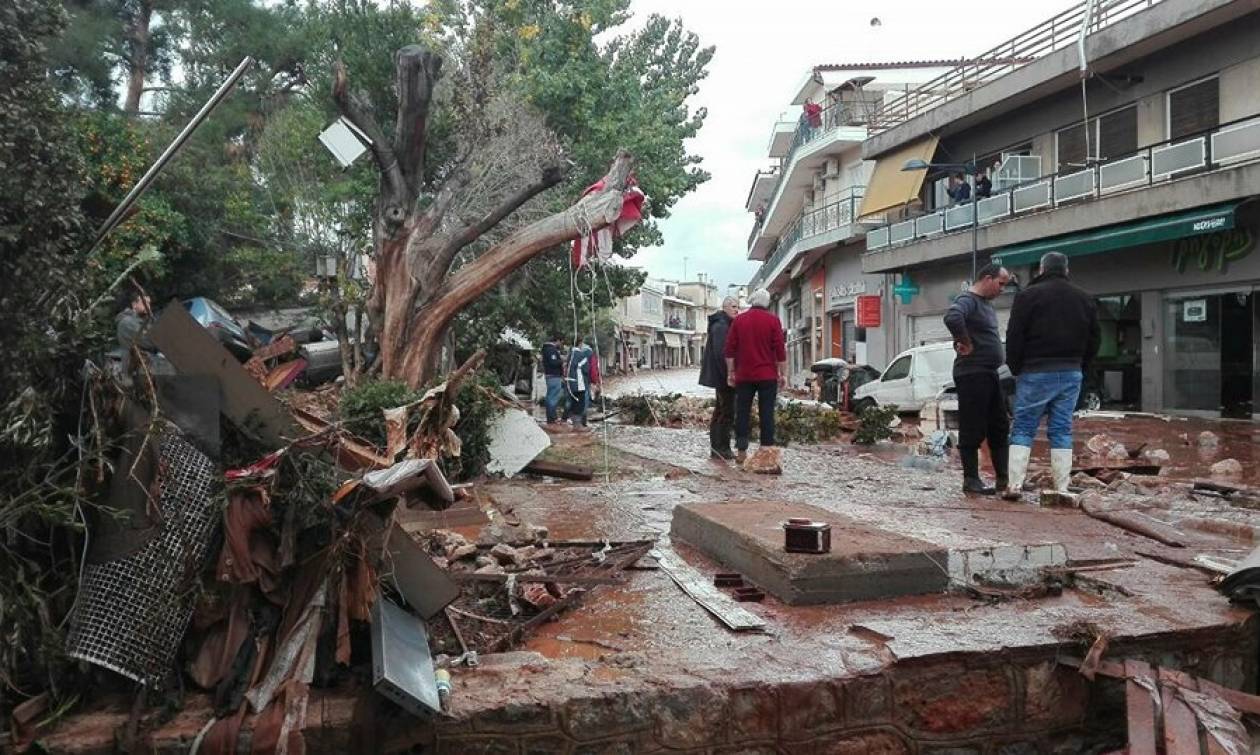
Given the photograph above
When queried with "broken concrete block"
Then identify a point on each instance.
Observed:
(1055, 498)
(505, 554)
(483, 561)
(765, 461)
(490, 569)
(1208, 439)
(461, 552)
(1227, 468)
(1156, 456)
(1100, 444)
(1118, 452)
(1088, 482)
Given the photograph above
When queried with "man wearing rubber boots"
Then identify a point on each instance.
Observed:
(973, 323)
(1051, 339)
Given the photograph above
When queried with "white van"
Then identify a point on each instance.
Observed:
(916, 376)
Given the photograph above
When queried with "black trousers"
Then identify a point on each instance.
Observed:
(982, 416)
(720, 422)
(765, 391)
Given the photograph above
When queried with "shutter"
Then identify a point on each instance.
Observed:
(1194, 108)
(1071, 149)
(1117, 134)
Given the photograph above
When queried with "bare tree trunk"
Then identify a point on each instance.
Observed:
(138, 57)
(416, 296)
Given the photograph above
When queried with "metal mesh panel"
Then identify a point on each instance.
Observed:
(131, 613)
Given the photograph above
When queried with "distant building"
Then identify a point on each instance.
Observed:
(664, 324)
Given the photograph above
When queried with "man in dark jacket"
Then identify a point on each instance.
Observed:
(713, 375)
(1051, 339)
(981, 411)
(553, 373)
(756, 365)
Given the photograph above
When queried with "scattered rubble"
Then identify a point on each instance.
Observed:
(1227, 468)
(1208, 439)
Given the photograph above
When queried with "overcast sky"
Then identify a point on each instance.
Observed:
(764, 51)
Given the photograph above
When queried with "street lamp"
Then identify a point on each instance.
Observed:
(967, 169)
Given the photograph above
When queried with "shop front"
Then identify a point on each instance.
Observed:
(1177, 304)
(856, 339)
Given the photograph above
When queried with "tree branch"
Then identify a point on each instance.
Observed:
(417, 74)
(352, 107)
(442, 261)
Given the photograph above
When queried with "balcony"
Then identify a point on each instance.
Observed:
(830, 223)
(1050, 35)
(1163, 163)
(813, 140)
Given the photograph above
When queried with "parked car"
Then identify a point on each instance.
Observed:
(1091, 397)
(914, 377)
(837, 379)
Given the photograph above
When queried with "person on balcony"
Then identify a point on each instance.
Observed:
(813, 114)
(959, 191)
(973, 323)
(984, 186)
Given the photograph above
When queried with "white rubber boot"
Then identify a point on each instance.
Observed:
(1017, 469)
(1061, 468)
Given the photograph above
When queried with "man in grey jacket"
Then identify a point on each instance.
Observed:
(981, 409)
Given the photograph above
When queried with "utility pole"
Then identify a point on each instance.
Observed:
(684, 269)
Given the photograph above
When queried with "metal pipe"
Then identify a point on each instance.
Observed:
(142, 185)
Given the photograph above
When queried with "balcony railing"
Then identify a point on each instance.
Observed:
(829, 217)
(1234, 142)
(1043, 39)
(836, 116)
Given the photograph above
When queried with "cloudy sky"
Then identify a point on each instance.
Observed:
(764, 51)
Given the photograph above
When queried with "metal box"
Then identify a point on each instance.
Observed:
(805, 536)
(402, 667)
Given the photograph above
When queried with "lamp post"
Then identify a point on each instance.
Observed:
(968, 169)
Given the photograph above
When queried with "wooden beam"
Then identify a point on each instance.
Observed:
(1139, 703)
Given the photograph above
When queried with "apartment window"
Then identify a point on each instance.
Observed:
(1194, 107)
(1110, 136)
(1117, 134)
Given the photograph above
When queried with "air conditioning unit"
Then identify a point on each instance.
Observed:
(831, 169)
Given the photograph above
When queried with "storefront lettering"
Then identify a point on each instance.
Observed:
(1213, 251)
(841, 292)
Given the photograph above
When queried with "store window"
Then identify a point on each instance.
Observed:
(1193, 108)
(1116, 374)
(1210, 360)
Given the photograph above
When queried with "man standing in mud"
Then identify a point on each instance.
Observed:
(756, 365)
(713, 375)
(973, 323)
(1051, 339)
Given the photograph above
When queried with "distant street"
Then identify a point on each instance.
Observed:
(684, 380)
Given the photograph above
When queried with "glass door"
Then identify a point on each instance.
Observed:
(1210, 353)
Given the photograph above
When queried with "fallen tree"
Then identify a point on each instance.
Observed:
(506, 157)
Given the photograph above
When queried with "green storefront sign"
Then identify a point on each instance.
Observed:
(906, 288)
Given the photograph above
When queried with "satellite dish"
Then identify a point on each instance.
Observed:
(876, 22)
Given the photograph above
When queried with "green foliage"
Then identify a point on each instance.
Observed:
(361, 406)
(805, 423)
(874, 424)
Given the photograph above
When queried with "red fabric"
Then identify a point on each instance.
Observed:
(591, 246)
(594, 369)
(755, 342)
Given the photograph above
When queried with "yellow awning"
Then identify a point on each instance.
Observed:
(890, 186)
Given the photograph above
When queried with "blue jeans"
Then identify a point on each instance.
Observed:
(1042, 394)
(555, 389)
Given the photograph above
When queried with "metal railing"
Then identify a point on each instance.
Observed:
(1043, 39)
(838, 115)
(836, 214)
(1212, 149)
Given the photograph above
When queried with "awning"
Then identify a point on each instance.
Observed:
(890, 186)
(673, 340)
(1146, 231)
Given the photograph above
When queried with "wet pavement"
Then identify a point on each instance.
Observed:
(1191, 457)
(684, 380)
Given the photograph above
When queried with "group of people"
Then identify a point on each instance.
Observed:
(1051, 338)
(745, 357)
(572, 376)
(959, 191)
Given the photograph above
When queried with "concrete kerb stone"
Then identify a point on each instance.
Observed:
(591, 718)
(1004, 563)
(807, 709)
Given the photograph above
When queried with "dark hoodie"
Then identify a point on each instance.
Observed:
(713, 368)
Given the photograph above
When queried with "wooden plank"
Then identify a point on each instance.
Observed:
(1181, 730)
(1139, 703)
(559, 469)
(709, 597)
(194, 351)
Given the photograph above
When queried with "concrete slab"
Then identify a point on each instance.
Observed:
(865, 563)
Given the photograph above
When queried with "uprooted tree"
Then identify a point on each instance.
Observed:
(504, 157)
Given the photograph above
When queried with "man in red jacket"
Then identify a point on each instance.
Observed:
(756, 364)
